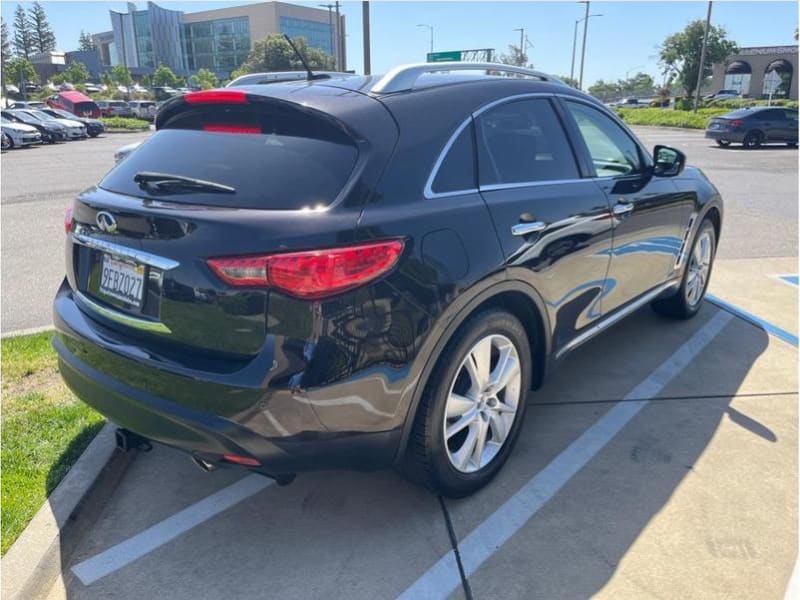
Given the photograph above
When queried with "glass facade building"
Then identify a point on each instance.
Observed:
(317, 35)
(221, 45)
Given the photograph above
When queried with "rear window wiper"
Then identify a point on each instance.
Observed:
(165, 182)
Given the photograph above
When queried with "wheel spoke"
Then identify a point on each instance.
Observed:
(482, 430)
(502, 407)
(457, 405)
(498, 425)
(467, 419)
(461, 458)
(507, 368)
(482, 358)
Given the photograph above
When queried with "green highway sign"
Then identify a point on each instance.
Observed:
(453, 56)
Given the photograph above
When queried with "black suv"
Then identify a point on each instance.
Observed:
(369, 271)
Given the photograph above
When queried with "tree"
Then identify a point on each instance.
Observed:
(85, 41)
(570, 81)
(206, 79)
(19, 70)
(121, 76)
(146, 81)
(640, 84)
(5, 54)
(516, 56)
(42, 36)
(680, 53)
(164, 76)
(76, 73)
(605, 89)
(274, 53)
(107, 81)
(23, 38)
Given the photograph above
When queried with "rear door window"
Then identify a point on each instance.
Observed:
(457, 171)
(274, 158)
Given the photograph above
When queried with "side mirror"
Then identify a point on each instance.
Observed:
(669, 162)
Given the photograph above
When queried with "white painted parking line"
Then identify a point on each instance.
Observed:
(443, 577)
(159, 534)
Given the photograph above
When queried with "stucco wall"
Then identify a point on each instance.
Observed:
(759, 59)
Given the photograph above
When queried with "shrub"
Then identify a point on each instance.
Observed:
(125, 123)
(670, 118)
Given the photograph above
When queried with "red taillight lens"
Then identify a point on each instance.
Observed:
(737, 123)
(232, 128)
(216, 97)
(68, 220)
(240, 460)
(312, 274)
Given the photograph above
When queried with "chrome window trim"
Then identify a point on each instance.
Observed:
(118, 317)
(507, 186)
(607, 322)
(159, 262)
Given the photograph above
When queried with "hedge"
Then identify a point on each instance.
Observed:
(665, 117)
(125, 123)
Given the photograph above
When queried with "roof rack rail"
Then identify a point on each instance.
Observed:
(402, 78)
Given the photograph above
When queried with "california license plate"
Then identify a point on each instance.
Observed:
(122, 280)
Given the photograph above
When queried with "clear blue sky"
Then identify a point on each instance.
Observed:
(624, 38)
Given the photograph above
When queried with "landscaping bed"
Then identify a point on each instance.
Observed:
(667, 117)
(44, 430)
(124, 124)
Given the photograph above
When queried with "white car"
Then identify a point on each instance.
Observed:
(143, 109)
(723, 95)
(19, 134)
(74, 129)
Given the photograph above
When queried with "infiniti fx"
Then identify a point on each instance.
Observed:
(369, 271)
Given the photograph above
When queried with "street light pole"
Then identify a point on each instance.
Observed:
(702, 57)
(365, 23)
(574, 43)
(583, 51)
(521, 45)
(430, 27)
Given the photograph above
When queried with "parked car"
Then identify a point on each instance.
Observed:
(753, 127)
(630, 103)
(366, 271)
(114, 108)
(94, 127)
(26, 105)
(124, 151)
(722, 95)
(18, 134)
(76, 103)
(5, 141)
(92, 88)
(164, 92)
(143, 109)
(75, 130)
(51, 131)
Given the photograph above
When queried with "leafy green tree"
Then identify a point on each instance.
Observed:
(640, 84)
(19, 70)
(206, 79)
(85, 41)
(680, 53)
(121, 76)
(5, 51)
(107, 80)
(570, 81)
(77, 72)
(146, 81)
(164, 76)
(23, 38)
(42, 36)
(274, 53)
(605, 89)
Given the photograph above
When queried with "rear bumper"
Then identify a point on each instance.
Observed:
(721, 134)
(206, 414)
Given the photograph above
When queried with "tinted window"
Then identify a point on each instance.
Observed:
(775, 114)
(457, 171)
(523, 142)
(612, 150)
(279, 159)
(791, 115)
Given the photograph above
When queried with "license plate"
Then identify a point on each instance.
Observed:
(122, 280)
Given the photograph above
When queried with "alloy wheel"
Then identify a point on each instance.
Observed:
(482, 403)
(699, 267)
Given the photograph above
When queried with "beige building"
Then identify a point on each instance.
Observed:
(745, 71)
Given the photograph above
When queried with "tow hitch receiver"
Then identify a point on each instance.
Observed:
(127, 441)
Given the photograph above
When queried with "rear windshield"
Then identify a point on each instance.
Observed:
(274, 158)
(82, 107)
(741, 113)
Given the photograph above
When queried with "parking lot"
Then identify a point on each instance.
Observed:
(660, 461)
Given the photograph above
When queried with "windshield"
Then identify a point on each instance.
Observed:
(42, 116)
(24, 116)
(61, 113)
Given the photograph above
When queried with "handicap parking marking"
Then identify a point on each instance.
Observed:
(159, 534)
(773, 330)
(788, 279)
(490, 535)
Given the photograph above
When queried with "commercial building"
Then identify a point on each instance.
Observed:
(745, 71)
(219, 40)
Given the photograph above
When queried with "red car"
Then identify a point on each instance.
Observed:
(76, 103)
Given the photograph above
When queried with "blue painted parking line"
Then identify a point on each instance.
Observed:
(774, 330)
(790, 279)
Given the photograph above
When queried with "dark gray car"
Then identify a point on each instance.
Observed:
(753, 127)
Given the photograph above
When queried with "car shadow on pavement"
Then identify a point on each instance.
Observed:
(371, 535)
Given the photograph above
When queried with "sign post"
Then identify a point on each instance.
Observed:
(771, 82)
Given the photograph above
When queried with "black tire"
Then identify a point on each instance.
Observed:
(677, 306)
(753, 139)
(723, 143)
(427, 461)
(9, 143)
(94, 135)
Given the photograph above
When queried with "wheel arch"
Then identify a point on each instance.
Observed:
(518, 298)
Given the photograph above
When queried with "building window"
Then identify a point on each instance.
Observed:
(221, 45)
(316, 34)
(784, 69)
(737, 77)
(144, 44)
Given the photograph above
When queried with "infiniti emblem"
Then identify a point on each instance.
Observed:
(106, 222)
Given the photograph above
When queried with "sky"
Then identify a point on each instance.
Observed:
(623, 41)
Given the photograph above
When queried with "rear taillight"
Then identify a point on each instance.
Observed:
(231, 128)
(737, 123)
(216, 97)
(312, 274)
(240, 460)
(68, 220)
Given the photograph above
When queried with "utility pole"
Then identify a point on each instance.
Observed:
(574, 43)
(702, 57)
(365, 22)
(330, 26)
(521, 45)
(583, 51)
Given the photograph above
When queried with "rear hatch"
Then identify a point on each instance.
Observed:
(223, 177)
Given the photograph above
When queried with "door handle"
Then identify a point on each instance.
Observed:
(622, 208)
(528, 228)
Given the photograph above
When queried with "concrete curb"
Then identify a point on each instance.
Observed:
(28, 331)
(29, 562)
